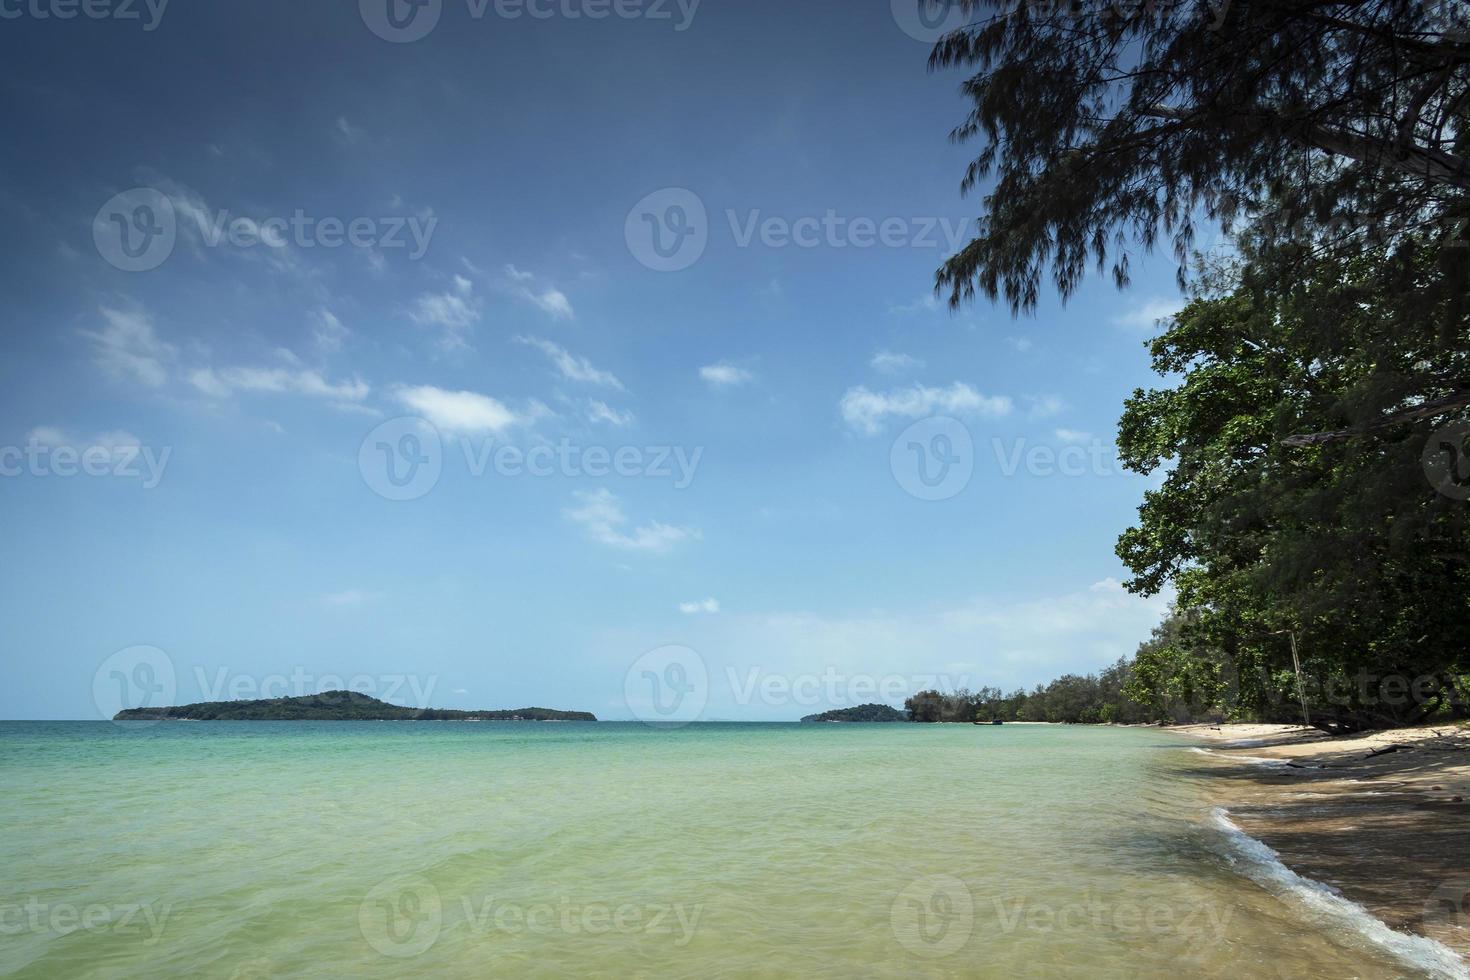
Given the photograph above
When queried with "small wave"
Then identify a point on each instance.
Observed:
(1264, 866)
(1258, 759)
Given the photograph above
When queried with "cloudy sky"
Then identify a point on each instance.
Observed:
(473, 351)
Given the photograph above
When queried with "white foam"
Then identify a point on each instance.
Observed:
(1257, 759)
(1264, 866)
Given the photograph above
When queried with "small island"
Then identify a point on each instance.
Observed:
(863, 712)
(335, 706)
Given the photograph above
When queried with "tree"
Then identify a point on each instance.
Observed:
(1325, 121)
(1342, 541)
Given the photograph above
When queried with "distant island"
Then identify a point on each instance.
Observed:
(863, 712)
(335, 706)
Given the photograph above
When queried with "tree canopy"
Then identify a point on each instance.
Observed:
(1349, 542)
(1108, 125)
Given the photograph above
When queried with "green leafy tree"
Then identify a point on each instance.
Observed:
(1295, 500)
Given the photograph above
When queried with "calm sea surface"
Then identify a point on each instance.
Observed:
(345, 849)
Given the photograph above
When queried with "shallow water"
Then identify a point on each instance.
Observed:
(475, 849)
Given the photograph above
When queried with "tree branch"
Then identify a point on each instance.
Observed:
(1459, 399)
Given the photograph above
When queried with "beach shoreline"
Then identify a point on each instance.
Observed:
(1381, 818)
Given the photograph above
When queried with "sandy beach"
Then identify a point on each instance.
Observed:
(1382, 817)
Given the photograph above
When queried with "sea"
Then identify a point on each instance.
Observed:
(460, 849)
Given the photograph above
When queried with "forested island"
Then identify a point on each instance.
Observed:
(335, 706)
(862, 712)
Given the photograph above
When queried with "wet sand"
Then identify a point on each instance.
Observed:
(1390, 831)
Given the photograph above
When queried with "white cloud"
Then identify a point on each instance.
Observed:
(601, 412)
(1073, 435)
(127, 348)
(455, 311)
(891, 363)
(54, 436)
(1021, 344)
(926, 303)
(459, 412)
(601, 515)
(724, 375)
(551, 301)
(349, 597)
(304, 381)
(349, 133)
(327, 331)
(571, 366)
(1146, 315)
(1044, 406)
(865, 410)
(710, 605)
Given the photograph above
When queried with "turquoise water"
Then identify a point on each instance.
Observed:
(330, 849)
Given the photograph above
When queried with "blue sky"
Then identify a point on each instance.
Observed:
(328, 232)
